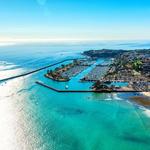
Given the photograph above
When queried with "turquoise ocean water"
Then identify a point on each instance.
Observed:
(36, 118)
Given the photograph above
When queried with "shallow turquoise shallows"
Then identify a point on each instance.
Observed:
(35, 118)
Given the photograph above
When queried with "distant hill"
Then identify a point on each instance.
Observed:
(108, 53)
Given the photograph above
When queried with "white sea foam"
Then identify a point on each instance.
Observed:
(113, 96)
(7, 44)
(7, 70)
(146, 112)
(6, 67)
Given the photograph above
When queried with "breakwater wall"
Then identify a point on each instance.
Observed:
(79, 91)
(36, 70)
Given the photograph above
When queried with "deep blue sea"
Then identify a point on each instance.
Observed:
(35, 118)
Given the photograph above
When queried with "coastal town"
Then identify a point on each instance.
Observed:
(130, 68)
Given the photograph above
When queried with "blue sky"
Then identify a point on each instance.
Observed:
(75, 19)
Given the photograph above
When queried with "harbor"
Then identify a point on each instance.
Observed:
(75, 75)
(72, 108)
(108, 74)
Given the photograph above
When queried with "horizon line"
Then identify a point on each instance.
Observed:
(32, 40)
(16, 41)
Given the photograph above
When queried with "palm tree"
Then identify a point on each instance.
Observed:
(47, 71)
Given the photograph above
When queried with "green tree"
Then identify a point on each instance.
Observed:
(137, 64)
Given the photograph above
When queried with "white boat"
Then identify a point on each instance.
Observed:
(66, 87)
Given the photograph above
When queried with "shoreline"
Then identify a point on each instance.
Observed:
(141, 100)
(147, 94)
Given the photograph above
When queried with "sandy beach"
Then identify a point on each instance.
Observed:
(146, 94)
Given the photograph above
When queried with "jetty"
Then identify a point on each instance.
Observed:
(82, 91)
(36, 70)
